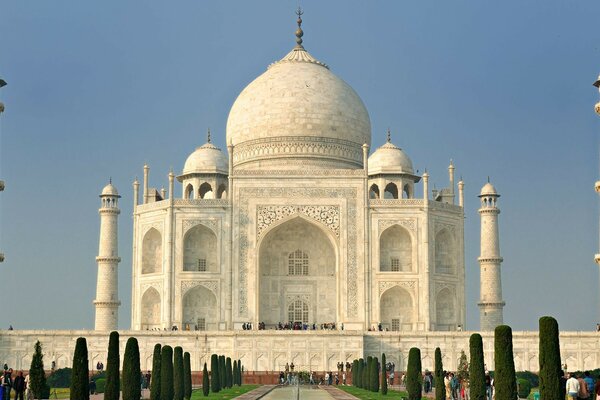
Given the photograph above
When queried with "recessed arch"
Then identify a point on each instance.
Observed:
(206, 191)
(200, 250)
(200, 309)
(151, 315)
(277, 287)
(152, 252)
(407, 192)
(189, 191)
(445, 252)
(391, 191)
(396, 311)
(222, 191)
(445, 310)
(374, 191)
(395, 250)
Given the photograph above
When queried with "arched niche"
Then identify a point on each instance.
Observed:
(200, 250)
(297, 259)
(151, 316)
(189, 191)
(222, 191)
(200, 309)
(395, 250)
(445, 252)
(391, 191)
(152, 252)
(445, 310)
(396, 311)
(374, 191)
(206, 191)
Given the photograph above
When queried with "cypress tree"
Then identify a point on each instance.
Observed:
(228, 373)
(505, 380)
(414, 384)
(375, 375)
(222, 373)
(367, 374)
(80, 389)
(155, 379)
(240, 370)
(112, 386)
(187, 376)
(440, 388)
(361, 368)
(354, 371)
(215, 381)
(476, 368)
(166, 373)
(235, 372)
(178, 373)
(37, 376)
(205, 383)
(132, 384)
(384, 388)
(549, 359)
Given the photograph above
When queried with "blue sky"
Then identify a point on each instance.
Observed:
(98, 89)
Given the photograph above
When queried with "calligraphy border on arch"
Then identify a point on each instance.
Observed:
(408, 223)
(211, 224)
(266, 215)
(409, 285)
(349, 194)
(213, 286)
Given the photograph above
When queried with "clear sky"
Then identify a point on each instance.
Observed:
(97, 89)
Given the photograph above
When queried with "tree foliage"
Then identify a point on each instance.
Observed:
(112, 387)
(166, 373)
(440, 388)
(215, 381)
(187, 376)
(178, 373)
(80, 389)
(414, 379)
(549, 360)
(505, 379)
(476, 368)
(132, 374)
(228, 373)
(235, 372)
(375, 375)
(222, 373)
(205, 382)
(155, 378)
(37, 376)
(384, 388)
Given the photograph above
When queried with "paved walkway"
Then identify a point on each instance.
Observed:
(257, 393)
(337, 394)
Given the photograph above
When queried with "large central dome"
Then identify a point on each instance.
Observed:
(298, 114)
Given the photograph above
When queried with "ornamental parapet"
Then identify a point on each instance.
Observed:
(108, 259)
(490, 260)
(597, 259)
(492, 304)
(396, 202)
(102, 303)
(492, 211)
(329, 172)
(164, 204)
(115, 211)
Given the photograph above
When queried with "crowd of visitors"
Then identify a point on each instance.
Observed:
(19, 384)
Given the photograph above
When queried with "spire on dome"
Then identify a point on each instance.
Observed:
(389, 136)
(299, 32)
(208, 136)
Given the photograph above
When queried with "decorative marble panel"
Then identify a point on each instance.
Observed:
(210, 285)
(408, 223)
(409, 285)
(209, 223)
(326, 215)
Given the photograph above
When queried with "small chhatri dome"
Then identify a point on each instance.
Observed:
(488, 190)
(298, 115)
(206, 159)
(390, 159)
(110, 190)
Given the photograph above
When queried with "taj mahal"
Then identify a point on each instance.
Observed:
(300, 222)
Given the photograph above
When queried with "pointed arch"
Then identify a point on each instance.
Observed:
(445, 252)
(200, 250)
(200, 309)
(189, 192)
(445, 310)
(396, 311)
(222, 191)
(151, 315)
(152, 252)
(374, 191)
(395, 250)
(206, 191)
(391, 191)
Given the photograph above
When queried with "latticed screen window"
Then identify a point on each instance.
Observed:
(395, 264)
(298, 263)
(298, 312)
(202, 264)
(201, 324)
(395, 324)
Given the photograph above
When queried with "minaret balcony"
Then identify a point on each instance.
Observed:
(597, 259)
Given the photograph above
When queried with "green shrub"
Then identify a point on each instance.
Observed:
(414, 379)
(178, 373)
(155, 378)
(235, 372)
(113, 384)
(524, 388)
(61, 378)
(505, 380)
(440, 389)
(166, 373)
(187, 376)
(533, 379)
(384, 388)
(375, 375)
(215, 381)
(80, 389)
(476, 368)
(228, 373)
(100, 385)
(205, 383)
(549, 361)
(132, 374)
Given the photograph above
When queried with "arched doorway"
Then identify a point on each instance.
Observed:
(150, 310)
(200, 310)
(396, 310)
(297, 275)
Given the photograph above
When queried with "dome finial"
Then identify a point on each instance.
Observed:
(110, 180)
(208, 135)
(299, 32)
(389, 135)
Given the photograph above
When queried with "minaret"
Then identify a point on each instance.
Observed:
(107, 288)
(490, 304)
(597, 184)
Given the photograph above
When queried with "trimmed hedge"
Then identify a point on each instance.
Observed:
(155, 378)
(215, 381)
(505, 380)
(166, 373)
(178, 373)
(440, 389)
(80, 389)
(113, 384)
(187, 376)
(61, 378)
(205, 383)
(524, 388)
(132, 374)
(384, 388)
(549, 361)
(414, 378)
(476, 368)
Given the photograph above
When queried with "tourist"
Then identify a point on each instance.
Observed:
(597, 389)
(337, 379)
(447, 378)
(19, 386)
(92, 386)
(344, 378)
(7, 383)
(572, 387)
(327, 378)
(488, 385)
(583, 393)
(454, 386)
(311, 378)
(589, 382)
(464, 390)
(427, 382)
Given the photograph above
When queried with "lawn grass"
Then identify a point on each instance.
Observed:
(368, 395)
(224, 394)
(61, 393)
